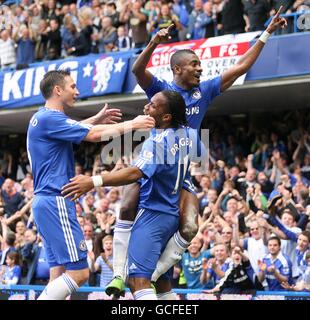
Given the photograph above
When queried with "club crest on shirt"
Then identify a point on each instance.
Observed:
(196, 94)
(83, 246)
(147, 155)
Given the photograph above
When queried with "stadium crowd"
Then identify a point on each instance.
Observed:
(42, 30)
(254, 222)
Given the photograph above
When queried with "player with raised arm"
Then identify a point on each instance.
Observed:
(162, 167)
(50, 137)
(186, 68)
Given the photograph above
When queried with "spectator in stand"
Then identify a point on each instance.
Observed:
(197, 18)
(232, 20)
(104, 261)
(12, 271)
(194, 264)
(240, 277)
(36, 268)
(180, 10)
(133, 14)
(256, 13)
(13, 200)
(219, 265)
(48, 13)
(42, 39)
(275, 267)
(164, 19)
(108, 36)
(7, 50)
(82, 43)
(123, 42)
(54, 40)
(25, 39)
(303, 284)
(255, 245)
(210, 20)
(111, 12)
(68, 34)
(7, 241)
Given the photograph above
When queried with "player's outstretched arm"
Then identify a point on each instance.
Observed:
(105, 116)
(81, 184)
(102, 132)
(249, 58)
(143, 76)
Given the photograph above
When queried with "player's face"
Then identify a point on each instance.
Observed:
(156, 108)
(190, 70)
(69, 93)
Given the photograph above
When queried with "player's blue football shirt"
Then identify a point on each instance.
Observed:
(164, 161)
(197, 100)
(50, 151)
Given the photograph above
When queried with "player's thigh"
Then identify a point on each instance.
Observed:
(57, 223)
(129, 203)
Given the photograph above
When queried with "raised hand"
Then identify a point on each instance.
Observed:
(277, 22)
(79, 185)
(108, 116)
(162, 35)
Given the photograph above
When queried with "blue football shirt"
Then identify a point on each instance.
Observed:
(50, 151)
(283, 265)
(164, 160)
(197, 100)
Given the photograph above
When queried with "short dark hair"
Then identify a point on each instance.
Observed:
(306, 233)
(178, 55)
(176, 106)
(51, 79)
(14, 256)
(275, 238)
(10, 239)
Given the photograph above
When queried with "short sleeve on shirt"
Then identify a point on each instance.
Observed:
(61, 127)
(212, 87)
(156, 86)
(151, 155)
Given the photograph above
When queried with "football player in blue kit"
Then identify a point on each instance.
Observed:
(187, 70)
(50, 137)
(162, 166)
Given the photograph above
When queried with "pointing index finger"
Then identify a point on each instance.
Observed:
(278, 12)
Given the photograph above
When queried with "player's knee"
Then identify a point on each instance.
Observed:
(188, 231)
(189, 225)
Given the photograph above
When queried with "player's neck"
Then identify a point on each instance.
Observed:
(180, 83)
(54, 105)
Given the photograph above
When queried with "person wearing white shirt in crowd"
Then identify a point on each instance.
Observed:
(7, 50)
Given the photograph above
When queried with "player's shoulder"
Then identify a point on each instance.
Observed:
(210, 83)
